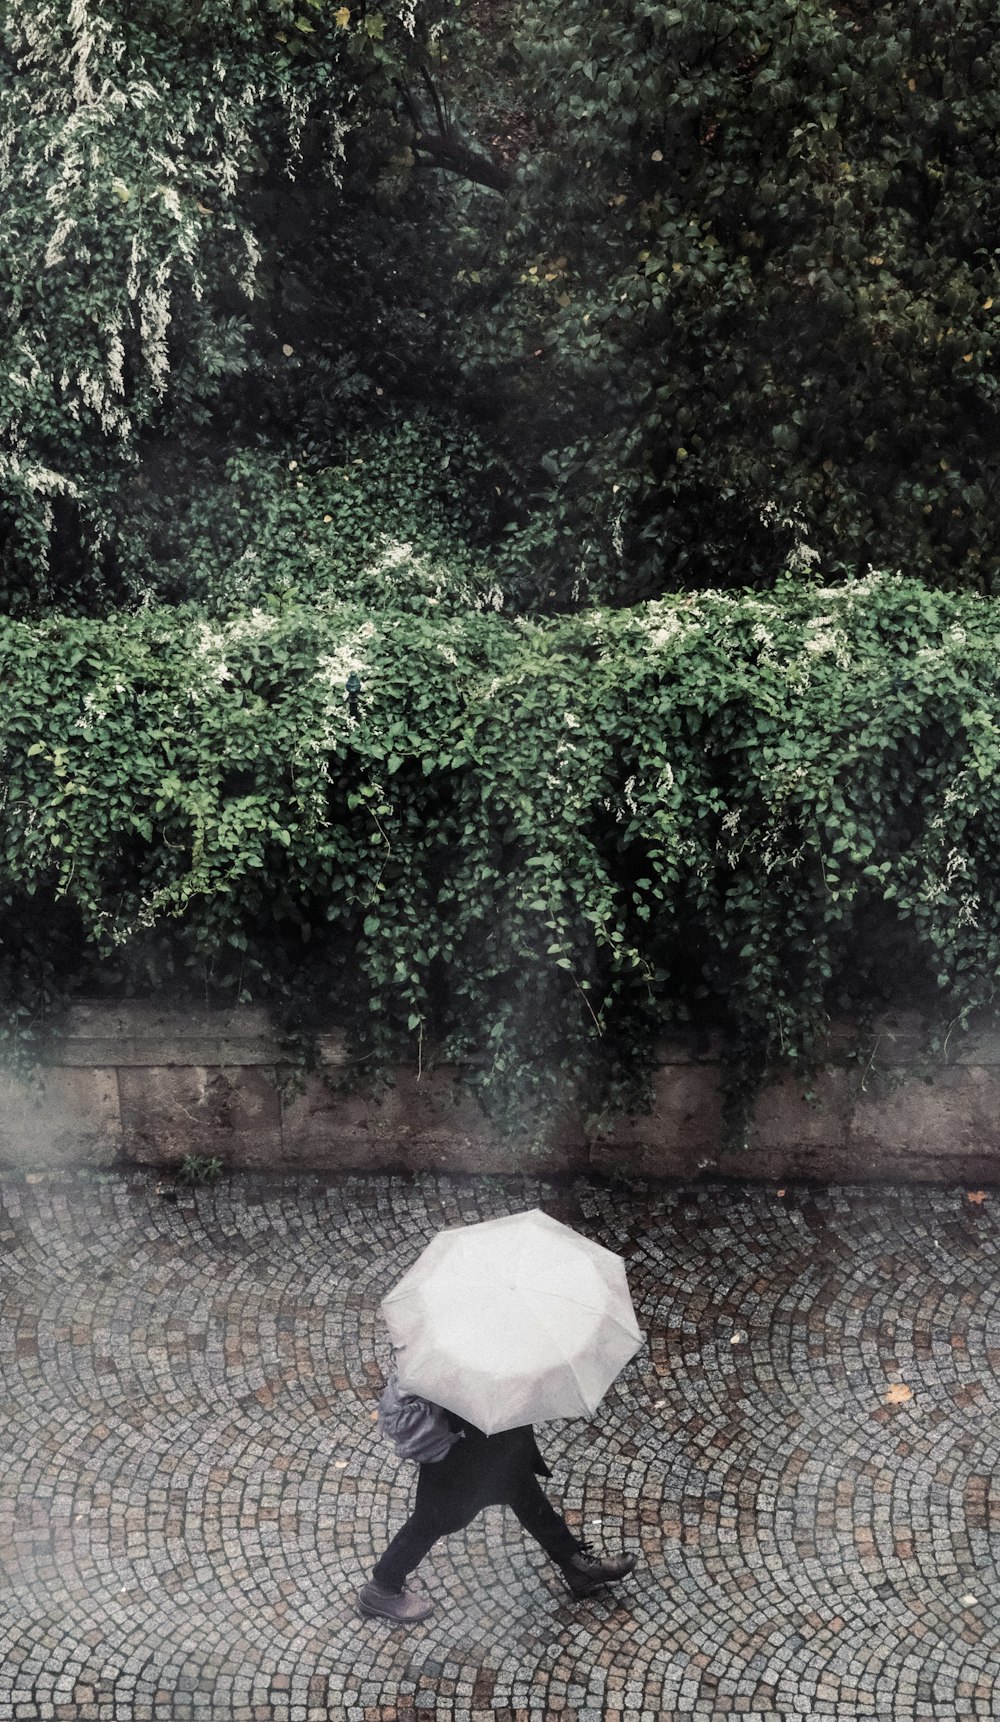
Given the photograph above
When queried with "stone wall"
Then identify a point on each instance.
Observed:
(132, 1083)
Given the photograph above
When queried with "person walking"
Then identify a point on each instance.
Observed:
(478, 1471)
(497, 1326)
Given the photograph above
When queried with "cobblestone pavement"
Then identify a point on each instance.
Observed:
(192, 1486)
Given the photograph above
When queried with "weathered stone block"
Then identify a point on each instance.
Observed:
(679, 1137)
(233, 1114)
(427, 1122)
(799, 1128)
(979, 1046)
(139, 1033)
(55, 1117)
(938, 1122)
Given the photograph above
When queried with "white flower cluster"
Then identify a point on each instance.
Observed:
(665, 621)
(824, 638)
(18, 473)
(399, 563)
(251, 626)
(859, 586)
(617, 528)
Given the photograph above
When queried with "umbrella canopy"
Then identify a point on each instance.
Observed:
(512, 1321)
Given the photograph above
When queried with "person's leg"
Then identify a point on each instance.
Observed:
(386, 1593)
(583, 1571)
(408, 1548)
(532, 1506)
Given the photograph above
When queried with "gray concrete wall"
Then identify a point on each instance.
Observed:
(132, 1083)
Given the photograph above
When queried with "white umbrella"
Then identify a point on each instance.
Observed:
(512, 1321)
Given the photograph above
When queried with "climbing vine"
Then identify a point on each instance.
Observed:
(538, 846)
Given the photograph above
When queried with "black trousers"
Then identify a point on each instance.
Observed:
(432, 1519)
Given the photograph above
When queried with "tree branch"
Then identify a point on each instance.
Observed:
(456, 157)
(444, 129)
(444, 148)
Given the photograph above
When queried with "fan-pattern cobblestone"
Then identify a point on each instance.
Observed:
(192, 1485)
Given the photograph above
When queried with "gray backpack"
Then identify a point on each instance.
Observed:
(417, 1428)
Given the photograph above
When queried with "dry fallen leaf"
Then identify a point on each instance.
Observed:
(976, 1196)
(898, 1393)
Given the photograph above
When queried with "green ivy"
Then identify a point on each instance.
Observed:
(393, 521)
(537, 846)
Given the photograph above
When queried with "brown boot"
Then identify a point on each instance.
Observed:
(405, 1606)
(587, 1572)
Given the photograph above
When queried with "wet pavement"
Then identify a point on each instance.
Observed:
(192, 1486)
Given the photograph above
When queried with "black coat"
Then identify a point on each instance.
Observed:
(479, 1471)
